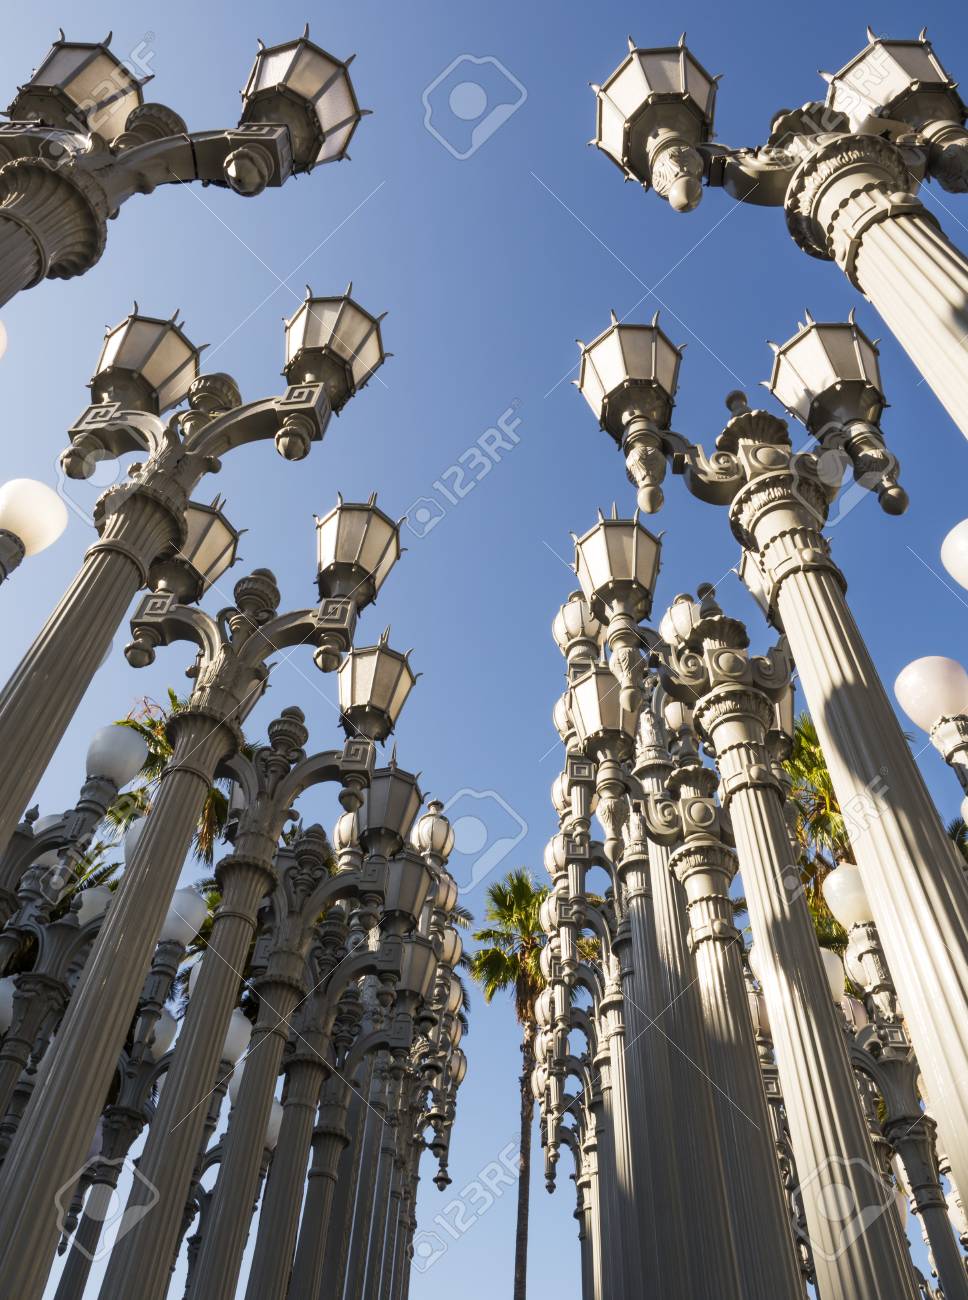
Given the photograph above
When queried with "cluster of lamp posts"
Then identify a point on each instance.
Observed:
(328, 960)
(740, 1127)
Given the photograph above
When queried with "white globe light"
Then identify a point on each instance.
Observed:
(33, 512)
(165, 1030)
(185, 918)
(236, 1039)
(94, 903)
(931, 688)
(274, 1124)
(834, 970)
(753, 957)
(117, 753)
(132, 838)
(954, 553)
(844, 893)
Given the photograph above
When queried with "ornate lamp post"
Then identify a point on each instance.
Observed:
(778, 501)
(846, 173)
(230, 675)
(882, 1052)
(114, 757)
(270, 782)
(933, 692)
(80, 141)
(150, 534)
(688, 819)
(708, 662)
(32, 517)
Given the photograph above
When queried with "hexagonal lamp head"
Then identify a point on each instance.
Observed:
(335, 342)
(628, 371)
(300, 85)
(828, 375)
(656, 101)
(617, 563)
(903, 80)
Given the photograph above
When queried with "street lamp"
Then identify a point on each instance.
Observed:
(150, 532)
(356, 546)
(954, 553)
(629, 376)
(827, 376)
(846, 173)
(32, 517)
(933, 692)
(333, 342)
(81, 140)
(374, 683)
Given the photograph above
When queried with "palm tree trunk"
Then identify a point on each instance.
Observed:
(524, 1166)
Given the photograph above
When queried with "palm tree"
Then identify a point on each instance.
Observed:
(150, 721)
(508, 962)
(821, 832)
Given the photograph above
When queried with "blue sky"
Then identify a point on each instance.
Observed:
(489, 267)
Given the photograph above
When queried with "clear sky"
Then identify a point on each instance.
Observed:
(490, 265)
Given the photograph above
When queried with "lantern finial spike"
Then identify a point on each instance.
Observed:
(61, 37)
(349, 290)
(614, 318)
(655, 319)
(631, 44)
(260, 43)
(107, 40)
(923, 34)
(870, 35)
(807, 317)
(682, 41)
(827, 76)
(852, 316)
(305, 34)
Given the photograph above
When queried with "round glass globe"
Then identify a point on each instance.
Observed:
(185, 918)
(834, 970)
(954, 553)
(844, 893)
(165, 1030)
(931, 688)
(117, 753)
(236, 1041)
(33, 512)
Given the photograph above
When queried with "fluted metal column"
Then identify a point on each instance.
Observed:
(339, 1229)
(761, 1222)
(917, 888)
(329, 1141)
(835, 1162)
(40, 699)
(702, 1186)
(142, 1257)
(217, 1270)
(369, 1159)
(380, 1238)
(117, 1139)
(914, 1145)
(395, 1231)
(283, 1198)
(56, 1129)
(614, 1256)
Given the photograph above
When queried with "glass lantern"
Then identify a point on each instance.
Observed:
(903, 80)
(80, 87)
(649, 91)
(146, 364)
(333, 342)
(828, 374)
(356, 547)
(629, 369)
(308, 90)
(374, 683)
(617, 562)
